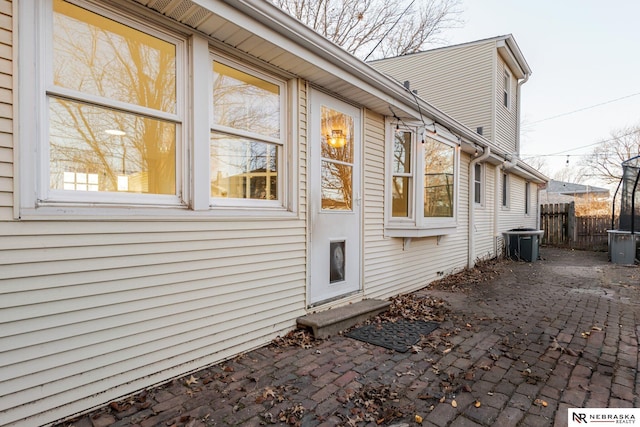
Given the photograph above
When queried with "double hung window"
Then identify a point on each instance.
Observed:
(246, 136)
(423, 187)
(114, 116)
(477, 183)
(506, 90)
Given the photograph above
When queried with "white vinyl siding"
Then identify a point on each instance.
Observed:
(135, 304)
(458, 80)
(505, 135)
(515, 216)
(483, 217)
(390, 268)
(94, 310)
(6, 112)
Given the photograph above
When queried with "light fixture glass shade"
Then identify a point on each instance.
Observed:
(337, 138)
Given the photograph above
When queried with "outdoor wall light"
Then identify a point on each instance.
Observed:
(337, 138)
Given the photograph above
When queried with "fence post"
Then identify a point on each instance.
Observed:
(571, 223)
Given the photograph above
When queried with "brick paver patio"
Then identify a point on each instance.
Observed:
(516, 350)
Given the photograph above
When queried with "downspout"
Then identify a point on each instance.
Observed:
(472, 192)
(520, 83)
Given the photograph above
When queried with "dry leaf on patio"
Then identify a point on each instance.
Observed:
(540, 402)
(477, 404)
(418, 419)
(454, 403)
(596, 328)
(191, 380)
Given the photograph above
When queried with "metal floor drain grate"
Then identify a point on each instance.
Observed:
(398, 336)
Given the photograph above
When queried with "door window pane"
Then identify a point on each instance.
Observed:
(337, 164)
(96, 149)
(439, 163)
(98, 56)
(243, 101)
(337, 135)
(243, 169)
(336, 186)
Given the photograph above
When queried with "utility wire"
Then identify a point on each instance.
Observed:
(389, 30)
(564, 153)
(582, 109)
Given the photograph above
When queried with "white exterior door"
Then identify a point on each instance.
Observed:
(335, 142)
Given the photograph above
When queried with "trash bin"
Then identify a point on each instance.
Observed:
(523, 243)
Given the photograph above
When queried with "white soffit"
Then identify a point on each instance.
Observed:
(234, 28)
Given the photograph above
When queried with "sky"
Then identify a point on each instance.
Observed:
(582, 53)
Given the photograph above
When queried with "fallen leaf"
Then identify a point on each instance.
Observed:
(191, 380)
(477, 404)
(540, 402)
(454, 403)
(447, 350)
(418, 419)
(268, 392)
(596, 328)
(442, 399)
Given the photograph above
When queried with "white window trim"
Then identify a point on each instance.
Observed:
(417, 225)
(482, 167)
(505, 186)
(507, 90)
(280, 141)
(194, 72)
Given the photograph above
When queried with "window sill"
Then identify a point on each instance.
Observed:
(391, 231)
(150, 213)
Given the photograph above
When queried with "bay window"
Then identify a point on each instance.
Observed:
(422, 191)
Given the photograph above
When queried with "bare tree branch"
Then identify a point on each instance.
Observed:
(359, 25)
(605, 160)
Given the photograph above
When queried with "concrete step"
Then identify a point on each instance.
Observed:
(330, 322)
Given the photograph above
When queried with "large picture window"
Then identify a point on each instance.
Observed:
(423, 173)
(112, 107)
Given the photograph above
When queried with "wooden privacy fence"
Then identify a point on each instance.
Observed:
(563, 228)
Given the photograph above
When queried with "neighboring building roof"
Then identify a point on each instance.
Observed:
(572, 189)
(506, 45)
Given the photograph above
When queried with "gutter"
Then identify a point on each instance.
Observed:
(471, 249)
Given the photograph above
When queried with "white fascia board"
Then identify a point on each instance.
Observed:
(511, 53)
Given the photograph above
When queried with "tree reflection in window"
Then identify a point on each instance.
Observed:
(109, 63)
(439, 164)
(337, 159)
(402, 180)
(244, 104)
